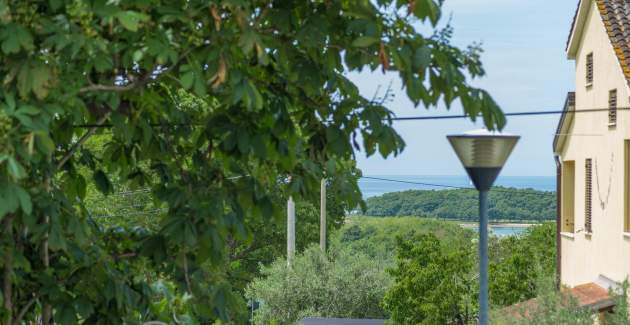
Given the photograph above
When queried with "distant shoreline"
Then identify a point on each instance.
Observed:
(468, 225)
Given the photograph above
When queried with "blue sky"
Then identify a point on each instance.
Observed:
(526, 68)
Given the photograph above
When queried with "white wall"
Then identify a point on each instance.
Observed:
(607, 250)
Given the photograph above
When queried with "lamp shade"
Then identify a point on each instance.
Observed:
(483, 153)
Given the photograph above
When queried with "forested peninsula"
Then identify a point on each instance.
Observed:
(505, 204)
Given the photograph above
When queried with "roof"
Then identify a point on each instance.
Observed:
(561, 130)
(589, 295)
(342, 321)
(615, 15)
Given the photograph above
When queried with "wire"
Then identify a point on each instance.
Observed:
(454, 187)
(402, 118)
(531, 113)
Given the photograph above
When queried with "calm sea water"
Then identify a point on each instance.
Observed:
(371, 187)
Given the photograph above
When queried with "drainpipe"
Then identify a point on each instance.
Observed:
(558, 222)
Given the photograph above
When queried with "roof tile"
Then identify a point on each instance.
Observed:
(616, 17)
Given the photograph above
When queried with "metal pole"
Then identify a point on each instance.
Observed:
(483, 257)
(290, 230)
(322, 216)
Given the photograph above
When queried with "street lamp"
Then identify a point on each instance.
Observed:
(483, 153)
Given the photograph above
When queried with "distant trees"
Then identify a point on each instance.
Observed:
(505, 204)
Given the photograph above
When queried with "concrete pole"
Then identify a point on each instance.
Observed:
(290, 230)
(322, 216)
(483, 257)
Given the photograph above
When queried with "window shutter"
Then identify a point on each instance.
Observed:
(612, 107)
(589, 69)
(588, 208)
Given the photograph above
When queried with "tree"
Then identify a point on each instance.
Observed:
(519, 263)
(339, 284)
(432, 284)
(276, 103)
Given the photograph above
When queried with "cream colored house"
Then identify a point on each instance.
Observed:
(592, 149)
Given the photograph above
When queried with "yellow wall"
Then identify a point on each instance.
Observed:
(607, 250)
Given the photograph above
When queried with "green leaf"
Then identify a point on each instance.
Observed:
(25, 200)
(56, 240)
(422, 57)
(365, 41)
(41, 77)
(9, 202)
(44, 143)
(102, 182)
(15, 169)
(15, 37)
(131, 20)
(28, 110)
(187, 79)
(66, 315)
(84, 307)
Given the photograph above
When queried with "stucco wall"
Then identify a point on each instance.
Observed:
(606, 251)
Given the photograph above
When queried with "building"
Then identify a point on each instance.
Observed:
(592, 149)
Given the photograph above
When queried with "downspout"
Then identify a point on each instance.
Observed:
(558, 222)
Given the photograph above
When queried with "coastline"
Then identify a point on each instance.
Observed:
(468, 225)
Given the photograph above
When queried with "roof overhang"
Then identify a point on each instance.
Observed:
(564, 125)
(577, 28)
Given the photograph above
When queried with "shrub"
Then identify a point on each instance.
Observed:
(339, 284)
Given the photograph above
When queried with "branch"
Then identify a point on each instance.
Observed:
(47, 308)
(186, 274)
(24, 309)
(84, 138)
(7, 286)
(153, 74)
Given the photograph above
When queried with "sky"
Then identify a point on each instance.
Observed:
(526, 70)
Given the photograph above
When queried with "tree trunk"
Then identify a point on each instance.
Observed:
(7, 284)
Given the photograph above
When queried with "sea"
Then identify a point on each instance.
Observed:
(389, 183)
(395, 183)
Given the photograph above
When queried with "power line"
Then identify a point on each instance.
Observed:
(402, 118)
(530, 113)
(453, 186)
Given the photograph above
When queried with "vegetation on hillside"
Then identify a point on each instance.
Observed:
(505, 204)
(427, 267)
(377, 237)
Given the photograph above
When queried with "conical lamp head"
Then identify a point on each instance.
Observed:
(483, 154)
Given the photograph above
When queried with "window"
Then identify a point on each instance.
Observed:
(612, 107)
(589, 69)
(588, 196)
(567, 208)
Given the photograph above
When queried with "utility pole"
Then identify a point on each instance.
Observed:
(322, 216)
(290, 230)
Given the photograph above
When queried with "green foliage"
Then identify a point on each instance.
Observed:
(435, 278)
(376, 237)
(272, 114)
(519, 262)
(505, 204)
(432, 284)
(338, 284)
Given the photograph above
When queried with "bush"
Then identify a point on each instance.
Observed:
(339, 284)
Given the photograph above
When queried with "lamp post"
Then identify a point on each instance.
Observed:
(483, 154)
